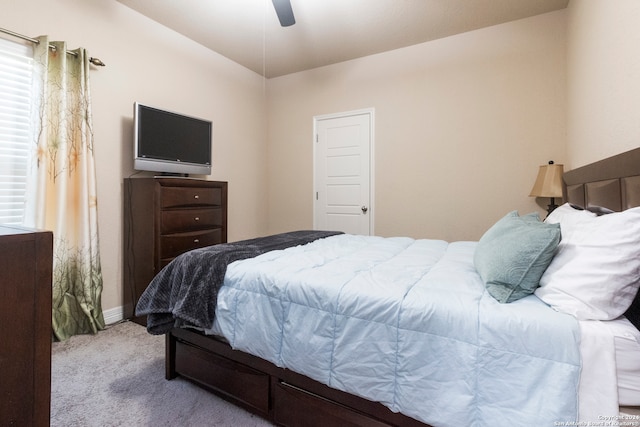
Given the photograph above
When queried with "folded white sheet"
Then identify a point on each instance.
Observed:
(627, 348)
(610, 375)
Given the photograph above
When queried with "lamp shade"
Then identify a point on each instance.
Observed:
(549, 181)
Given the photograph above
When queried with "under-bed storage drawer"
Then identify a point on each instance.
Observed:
(235, 380)
(293, 405)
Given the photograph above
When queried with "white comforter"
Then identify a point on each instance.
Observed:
(407, 323)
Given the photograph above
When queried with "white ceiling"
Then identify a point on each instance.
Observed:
(327, 31)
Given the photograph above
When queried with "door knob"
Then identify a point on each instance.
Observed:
(364, 209)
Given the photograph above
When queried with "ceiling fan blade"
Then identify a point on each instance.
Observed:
(284, 12)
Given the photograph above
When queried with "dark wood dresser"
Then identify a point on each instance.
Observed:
(26, 263)
(163, 218)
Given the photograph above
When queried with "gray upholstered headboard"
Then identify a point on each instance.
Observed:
(613, 183)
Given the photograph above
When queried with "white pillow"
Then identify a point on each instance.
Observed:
(562, 211)
(595, 273)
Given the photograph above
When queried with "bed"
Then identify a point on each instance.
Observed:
(411, 332)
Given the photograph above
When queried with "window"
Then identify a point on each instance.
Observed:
(16, 70)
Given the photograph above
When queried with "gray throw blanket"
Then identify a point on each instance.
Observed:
(185, 291)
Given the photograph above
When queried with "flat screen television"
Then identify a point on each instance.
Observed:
(171, 143)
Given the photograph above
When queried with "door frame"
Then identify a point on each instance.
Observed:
(371, 113)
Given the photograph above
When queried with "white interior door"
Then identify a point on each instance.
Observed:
(343, 171)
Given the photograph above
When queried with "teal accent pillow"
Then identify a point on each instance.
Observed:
(512, 255)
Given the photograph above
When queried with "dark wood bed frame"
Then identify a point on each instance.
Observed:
(290, 399)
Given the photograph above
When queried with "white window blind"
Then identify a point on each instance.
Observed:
(16, 70)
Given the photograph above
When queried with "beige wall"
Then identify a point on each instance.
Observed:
(603, 73)
(462, 125)
(149, 63)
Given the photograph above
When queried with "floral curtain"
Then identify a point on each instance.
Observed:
(62, 189)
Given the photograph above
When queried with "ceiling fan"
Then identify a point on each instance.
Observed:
(284, 12)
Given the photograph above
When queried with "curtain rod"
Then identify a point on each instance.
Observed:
(94, 61)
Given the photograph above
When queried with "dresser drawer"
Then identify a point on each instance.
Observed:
(172, 245)
(180, 220)
(171, 197)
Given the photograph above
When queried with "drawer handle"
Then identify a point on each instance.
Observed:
(196, 240)
(196, 197)
(301, 390)
(197, 218)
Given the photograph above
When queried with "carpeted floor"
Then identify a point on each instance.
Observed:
(116, 378)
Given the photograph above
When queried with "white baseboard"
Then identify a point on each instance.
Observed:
(113, 315)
